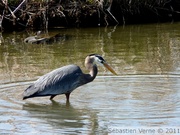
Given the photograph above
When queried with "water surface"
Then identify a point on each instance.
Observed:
(146, 91)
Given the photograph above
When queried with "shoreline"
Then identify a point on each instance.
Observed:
(20, 15)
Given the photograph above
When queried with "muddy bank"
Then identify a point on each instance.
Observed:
(21, 14)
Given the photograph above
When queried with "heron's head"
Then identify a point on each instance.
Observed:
(94, 59)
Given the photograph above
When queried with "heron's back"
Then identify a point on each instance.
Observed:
(59, 81)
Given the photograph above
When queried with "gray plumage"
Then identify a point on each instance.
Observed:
(65, 79)
(54, 82)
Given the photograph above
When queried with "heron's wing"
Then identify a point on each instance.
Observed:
(60, 81)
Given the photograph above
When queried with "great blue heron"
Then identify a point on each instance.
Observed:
(65, 79)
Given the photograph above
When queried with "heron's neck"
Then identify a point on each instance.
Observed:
(92, 74)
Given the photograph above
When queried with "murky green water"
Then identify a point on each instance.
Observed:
(145, 93)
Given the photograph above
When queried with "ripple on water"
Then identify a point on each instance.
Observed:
(132, 100)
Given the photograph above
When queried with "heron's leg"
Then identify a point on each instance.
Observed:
(67, 96)
(52, 97)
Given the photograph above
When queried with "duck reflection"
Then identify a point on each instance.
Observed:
(63, 116)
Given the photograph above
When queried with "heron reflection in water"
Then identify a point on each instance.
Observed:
(65, 79)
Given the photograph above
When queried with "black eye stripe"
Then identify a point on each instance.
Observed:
(99, 57)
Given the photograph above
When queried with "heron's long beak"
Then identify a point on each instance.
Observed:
(109, 68)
